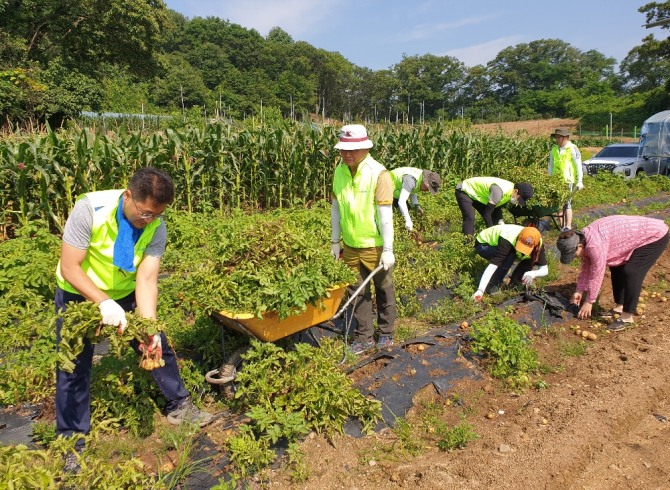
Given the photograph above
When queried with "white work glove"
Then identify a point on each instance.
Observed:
(387, 260)
(579, 186)
(335, 250)
(479, 294)
(113, 314)
(155, 343)
(409, 226)
(528, 278)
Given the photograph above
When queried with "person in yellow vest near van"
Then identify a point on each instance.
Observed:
(487, 195)
(502, 245)
(362, 221)
(407, 182)
(111, 250)
(565, 159)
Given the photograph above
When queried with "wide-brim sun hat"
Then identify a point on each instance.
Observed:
(561, 132)
(353, 137)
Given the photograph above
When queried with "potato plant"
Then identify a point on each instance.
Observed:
(81, 321)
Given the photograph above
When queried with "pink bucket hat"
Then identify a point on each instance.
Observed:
(353, 137)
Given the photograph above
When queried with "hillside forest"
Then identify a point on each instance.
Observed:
(61, 57)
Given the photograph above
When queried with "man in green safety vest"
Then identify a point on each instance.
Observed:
(565, 159)
(111, 250)
(407, 182)
(487, 195)
(362, 220)
(502, 245)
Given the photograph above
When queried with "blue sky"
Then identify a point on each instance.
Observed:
(377, 33)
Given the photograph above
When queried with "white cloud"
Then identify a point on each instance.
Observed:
(294, 16)
(480, 54)
(426, 31)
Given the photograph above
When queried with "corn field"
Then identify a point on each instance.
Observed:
(220, 167)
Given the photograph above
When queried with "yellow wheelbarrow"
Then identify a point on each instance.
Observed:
(271, 328)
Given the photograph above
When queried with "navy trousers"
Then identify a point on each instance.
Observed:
(73, 390)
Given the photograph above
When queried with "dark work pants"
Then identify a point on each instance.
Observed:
(467, 205)
(627, 278)
(488, 252)
(73, 390)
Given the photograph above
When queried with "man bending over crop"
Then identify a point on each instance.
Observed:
(112, 246)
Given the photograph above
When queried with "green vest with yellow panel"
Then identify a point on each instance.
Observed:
(564, 164)
(398, 173)
(478, 188)
(356, 202)
(98, 263)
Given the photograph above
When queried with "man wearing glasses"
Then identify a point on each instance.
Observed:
(112, 246)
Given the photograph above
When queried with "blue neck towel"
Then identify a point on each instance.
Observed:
(124, 246)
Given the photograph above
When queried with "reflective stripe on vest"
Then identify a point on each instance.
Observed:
(564, 164)
(398, 173)
(356, 201)
(98, 263)
(478, 188)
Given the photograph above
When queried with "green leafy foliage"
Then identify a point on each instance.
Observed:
(267, 263)
(305, 380)
(457, 437)
(123, 395)
(505, 346)
(27, 264)
(25, 468)
(81, 322)
(291, 393)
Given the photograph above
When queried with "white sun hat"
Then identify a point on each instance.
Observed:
(353, 137)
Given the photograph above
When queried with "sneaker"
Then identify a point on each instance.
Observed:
(360, 346)
(565, 228)
(619, 325)
(187, 412)
(384, 341)
(72, 461)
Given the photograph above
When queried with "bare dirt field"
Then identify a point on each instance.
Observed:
(536, 127)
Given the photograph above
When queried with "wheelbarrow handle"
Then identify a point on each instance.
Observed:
(360, 288)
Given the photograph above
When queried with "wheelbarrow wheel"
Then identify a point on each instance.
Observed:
(224, 377)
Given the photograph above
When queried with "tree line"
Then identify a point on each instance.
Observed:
(61, 57)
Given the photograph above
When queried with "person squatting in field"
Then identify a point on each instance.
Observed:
(362, 219)
(502, 245)
(629, 246)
